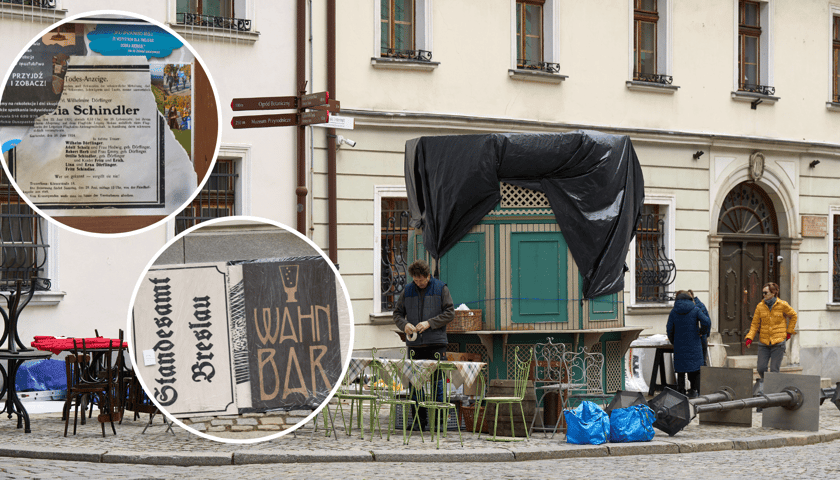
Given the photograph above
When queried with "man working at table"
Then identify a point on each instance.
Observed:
(423, 310)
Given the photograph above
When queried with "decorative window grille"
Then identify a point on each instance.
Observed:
(654, 270)
(217, 198)
(747, 210)
(394, 250)
(32, 3)
(23, 247)
(210, 13)
(613, 372)
(835, 297)
(518, 197)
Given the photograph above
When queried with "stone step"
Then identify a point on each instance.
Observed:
(749, 361)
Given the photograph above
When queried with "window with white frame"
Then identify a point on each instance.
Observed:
(651, 41)
(834, 255)
(754, 47)
(653, 269)
(533, 35)
(404, 29)
(391, 235)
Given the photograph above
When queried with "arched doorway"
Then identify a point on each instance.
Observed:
(748, 259)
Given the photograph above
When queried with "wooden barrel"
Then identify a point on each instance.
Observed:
(504, 388)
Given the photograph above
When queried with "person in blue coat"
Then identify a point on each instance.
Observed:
(687, 323)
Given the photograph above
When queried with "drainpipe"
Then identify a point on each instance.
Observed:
(300, 56)
(332, 201)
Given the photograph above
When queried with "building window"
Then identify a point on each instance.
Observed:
(529, 33)
(749, 45)
(393, 253)
(226, 14)
(23, 244)
(397, 27)
(645, 19)
(835, 77)
(654, 271)
(835, 291)
(217, 198)
(32, 3)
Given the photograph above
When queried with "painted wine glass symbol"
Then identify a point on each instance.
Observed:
(290, 280)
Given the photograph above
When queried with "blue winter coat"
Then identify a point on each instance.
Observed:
(686, 323)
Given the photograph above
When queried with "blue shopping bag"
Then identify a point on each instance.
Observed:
(632, 424)
(587, 424)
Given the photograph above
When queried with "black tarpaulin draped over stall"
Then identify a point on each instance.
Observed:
(592, 180)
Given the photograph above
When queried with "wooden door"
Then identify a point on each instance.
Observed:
(745, 266)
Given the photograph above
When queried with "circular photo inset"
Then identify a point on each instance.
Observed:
(98, 122)
(240, 330)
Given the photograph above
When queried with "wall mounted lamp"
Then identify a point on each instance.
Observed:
(814, 163)
(698, 154)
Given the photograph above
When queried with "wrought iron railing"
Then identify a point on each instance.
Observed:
(547, 67)
(653, 78)
(419, 55)
(227, 23)
(394, 259)
(217, 198)
(23, 249)
(654, 270)
(753, 88)
(31, 3)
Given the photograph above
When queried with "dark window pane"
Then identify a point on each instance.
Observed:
(403, 11)
(533, 20)
(402, 37)
(385, 8)
(648, 5)
(216, 199)
(836, 274)
(751, 14)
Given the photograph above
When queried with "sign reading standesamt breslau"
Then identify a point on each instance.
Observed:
(181, 338)
(293, 336)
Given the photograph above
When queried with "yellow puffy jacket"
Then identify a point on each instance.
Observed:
(772, 323)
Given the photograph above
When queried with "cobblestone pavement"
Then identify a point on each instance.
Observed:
(48, 430)
(812, 461)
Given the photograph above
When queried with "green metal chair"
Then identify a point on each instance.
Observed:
(353, 391)
(521, 369)
(431, 387)
(392, 394)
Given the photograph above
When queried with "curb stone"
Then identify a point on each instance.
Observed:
(754, 443)
(46, 453)
(246, 457)
(561, 452)
(642, 448)
(471, 455)
(175, 459)
(699, 446)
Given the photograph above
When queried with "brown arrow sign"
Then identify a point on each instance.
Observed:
(314, 99)
(263, 103)
(258, 121)
(318, 116)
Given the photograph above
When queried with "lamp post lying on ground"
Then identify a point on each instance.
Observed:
(832, 394)
(800, 411)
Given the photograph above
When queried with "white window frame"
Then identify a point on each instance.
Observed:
(832, 211)
(422, 27)
(241, 156)
(380, 192)
(670, 202)
(766, 16)
(551, 22)
(663, 38)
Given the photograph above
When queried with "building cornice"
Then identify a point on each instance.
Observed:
(436, 121)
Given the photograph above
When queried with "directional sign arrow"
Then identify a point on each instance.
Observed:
(263, 103)
(314, 99)
(318, 116)
(258, 121)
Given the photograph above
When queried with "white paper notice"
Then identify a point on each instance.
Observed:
(105, 147)
(148, 357)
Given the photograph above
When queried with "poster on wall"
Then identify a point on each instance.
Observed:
(181, 339)
(96, 119)
(291, 317)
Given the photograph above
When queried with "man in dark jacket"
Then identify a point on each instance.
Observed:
(423, 310)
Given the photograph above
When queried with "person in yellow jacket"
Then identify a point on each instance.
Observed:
(774, 320)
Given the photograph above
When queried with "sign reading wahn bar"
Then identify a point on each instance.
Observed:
(254, 336)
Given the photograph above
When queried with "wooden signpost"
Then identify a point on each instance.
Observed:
(319, 102)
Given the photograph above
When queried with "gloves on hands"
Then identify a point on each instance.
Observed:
(748, 342)
(788, 337)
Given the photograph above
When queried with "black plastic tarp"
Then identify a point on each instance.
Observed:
(592, 180)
